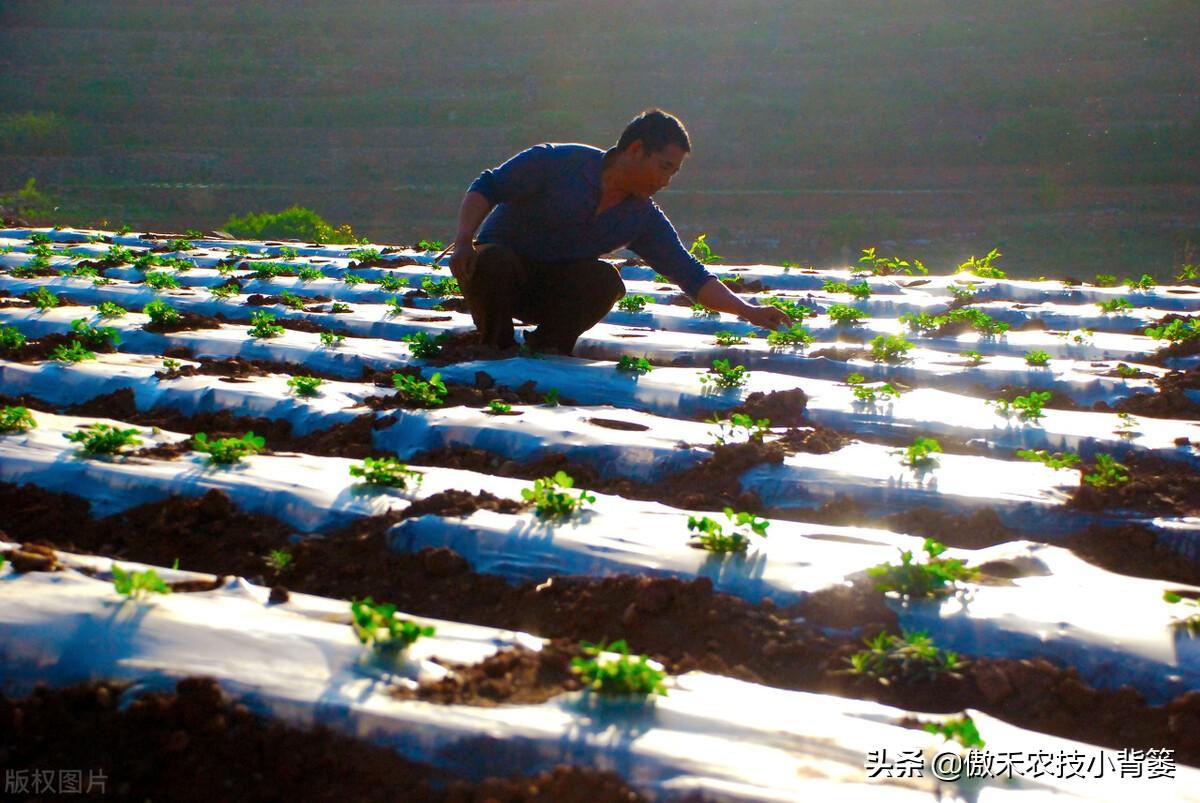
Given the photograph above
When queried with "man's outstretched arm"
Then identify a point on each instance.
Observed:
(475, 207)
(716, 296)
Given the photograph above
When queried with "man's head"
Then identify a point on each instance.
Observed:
(651, 150)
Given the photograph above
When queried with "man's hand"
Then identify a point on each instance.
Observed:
(767, 317)
(462, 262)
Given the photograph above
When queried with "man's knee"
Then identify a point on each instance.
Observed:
(495, 266)
(609, 284)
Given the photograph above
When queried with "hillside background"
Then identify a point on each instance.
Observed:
(1065, 133)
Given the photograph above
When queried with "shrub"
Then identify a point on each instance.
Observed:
(550, 502)
(1058, 460)
(622, 675)
(43, 299)
(709, 534)
(385, 471)
(723, 375)
(227, 451)
(633, 303)
(983, 267)
(844, 314)
(11, 337)
(95, 337)
(138, 585)
(919, 454)
(305, 385)
(933, 578)
(162, 281)
(1037, 358)
(16, 419)
(1108, 474)
(905, 658)
(631, 365)
(103, 438)
(414, 389)
(161, 313)
(377, 626)
(889, 348)
(76, 352)
(262, 324)
(295, 223)
(701, 250)
(110, 309)
(422, 346)
(795, 336)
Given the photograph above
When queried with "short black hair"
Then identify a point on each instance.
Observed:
(656, 129)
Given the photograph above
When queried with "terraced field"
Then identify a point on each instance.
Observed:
(941, 497)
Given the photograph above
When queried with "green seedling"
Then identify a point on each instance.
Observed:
(11, 337)
(364, 254)
(921, 322)
(1144, 283)
(860, 291)
(136, 584)
(227, 451)
(110, 309)
(415, 389)
(1027, 408)
(422, 346)
(441, 287)
(902, 659)
(885, 266)
(169, 364)
(854, 378)
(1037, 358)
(278, 560)
(395, 306)
(983, 267)
(180, 245)
(430, 245)
(82, 272)
(378, 628)
(552, 503)
(305, 385)
(224, 291)
(633, 303)
(331, 340)
(291, 300)
(550, 399)
(1175, 331)
(1108, 474)
(162, 281)
(623, 675)
(846, 315)
(1126, 371)
(499, 407)
(262, 324)
(962, 295)
(701, 311)
(632, 365)
(15, 419)
(92, 336)
(1116, 306)
(797, 312)
(269, 270)
(751, 430)
(1190, 620)
(870, 395)
(1105, 280)
(43, 299)
(103, 438)
(935, 577)
(385, 471)
(1058, 460)
(161, 313)
(919, 454)
(287, 252)
(392, 282)
(794, 337)
(709, 533)
(660, 279)
(974, 357)
(702, 251)
(724, 338)
(39, 238)
(889, 348)
(351, 279)
(724, 375)
(339, 307)
(76, 352)
(309, 274)
(1188, 272)
(959, 729)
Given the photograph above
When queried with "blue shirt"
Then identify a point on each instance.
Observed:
(546, 199)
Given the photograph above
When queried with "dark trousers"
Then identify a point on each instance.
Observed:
(564, 299)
